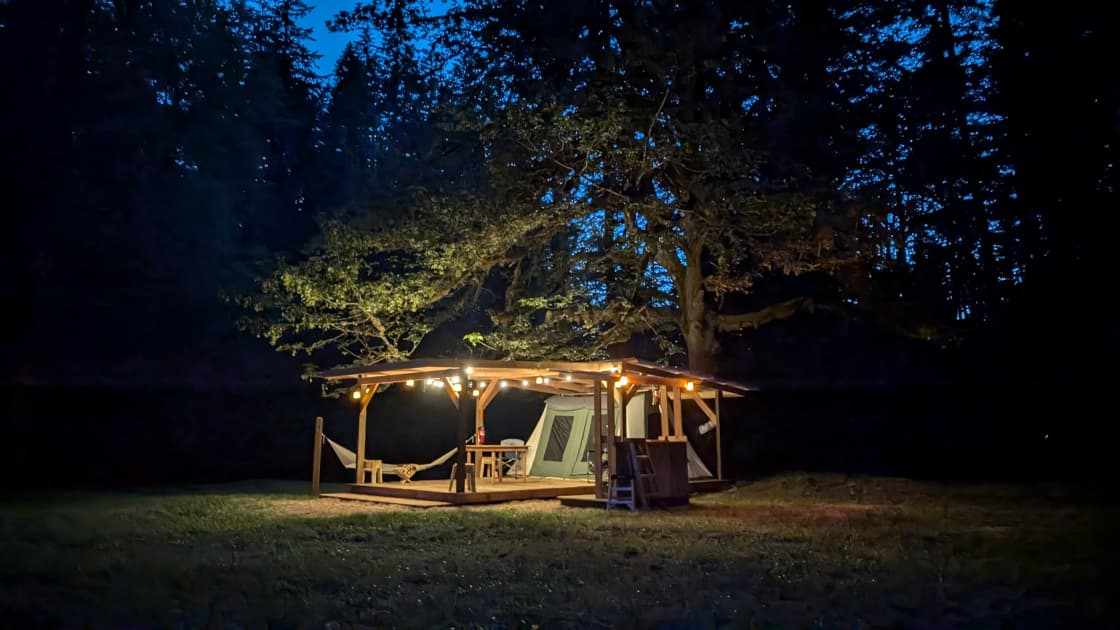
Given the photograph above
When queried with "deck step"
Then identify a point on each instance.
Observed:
(353, 496)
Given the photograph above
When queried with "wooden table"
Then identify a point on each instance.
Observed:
(493, 452)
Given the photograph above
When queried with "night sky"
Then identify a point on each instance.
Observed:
(328, 44)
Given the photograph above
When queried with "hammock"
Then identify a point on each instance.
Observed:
(349, 459)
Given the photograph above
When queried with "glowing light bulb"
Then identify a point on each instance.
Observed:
(357, 394)
(567, 377)
(456, 387)
(502, 383)
(482, 385)
(410, 383)
(524, 382)
(540, 380)
(690, 386)
(469, 369)
(474, 392)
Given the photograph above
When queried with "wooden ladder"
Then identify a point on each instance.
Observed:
(645, 479)
(635, 487)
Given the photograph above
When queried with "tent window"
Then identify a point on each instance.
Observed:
(558, 438)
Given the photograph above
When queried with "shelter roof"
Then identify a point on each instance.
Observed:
(556, 377)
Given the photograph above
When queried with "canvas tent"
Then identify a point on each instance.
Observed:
(561, 443)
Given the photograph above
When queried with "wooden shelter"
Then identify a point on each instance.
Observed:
(471, 385)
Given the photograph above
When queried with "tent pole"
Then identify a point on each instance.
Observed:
(317, 457)
(597, 462)
(719, 438)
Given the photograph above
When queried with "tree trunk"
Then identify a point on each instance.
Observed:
(697, 320)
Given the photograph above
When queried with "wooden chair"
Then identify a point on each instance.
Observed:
(471, 487)
(373, 467)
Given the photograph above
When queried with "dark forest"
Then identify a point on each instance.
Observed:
(893, 217)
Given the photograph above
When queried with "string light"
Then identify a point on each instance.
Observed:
(546, 380)
(502, 384)
(357, 394)
(524, 382)
(540, 380)
(456, 387)
(468, 369)
(482, 385)
(410, 383)
(567, 377)
(474, 392)
(689, 386)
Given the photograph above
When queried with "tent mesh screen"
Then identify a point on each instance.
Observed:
(558, 438)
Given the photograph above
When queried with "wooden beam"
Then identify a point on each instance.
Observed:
(490, 393)
(466, 419)
(719, 440)
(678, 418)
(546, 389)
(317, 456)
(419, 366)
(480, 405)
(361, 449)
(451, 393)
(703, 406)
(611, 465)
(597, 447)
(400, 378)
(663, 404)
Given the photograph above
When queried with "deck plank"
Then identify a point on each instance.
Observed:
(419, 503)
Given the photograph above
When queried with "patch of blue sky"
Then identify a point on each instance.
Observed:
(663, 194)
(662, 281)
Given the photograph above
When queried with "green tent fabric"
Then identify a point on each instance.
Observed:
(560, 443)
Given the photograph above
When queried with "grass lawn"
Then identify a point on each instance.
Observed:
(795, 551)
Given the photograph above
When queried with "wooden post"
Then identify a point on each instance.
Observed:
(663, 405)
(719, 440)
(678, 418)
(361, 454)
(611, 465)
(466, 424)
(317, 457)
(597, 435)
(484, 399)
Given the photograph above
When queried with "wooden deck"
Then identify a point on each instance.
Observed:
(417, 503)
(487, 491)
